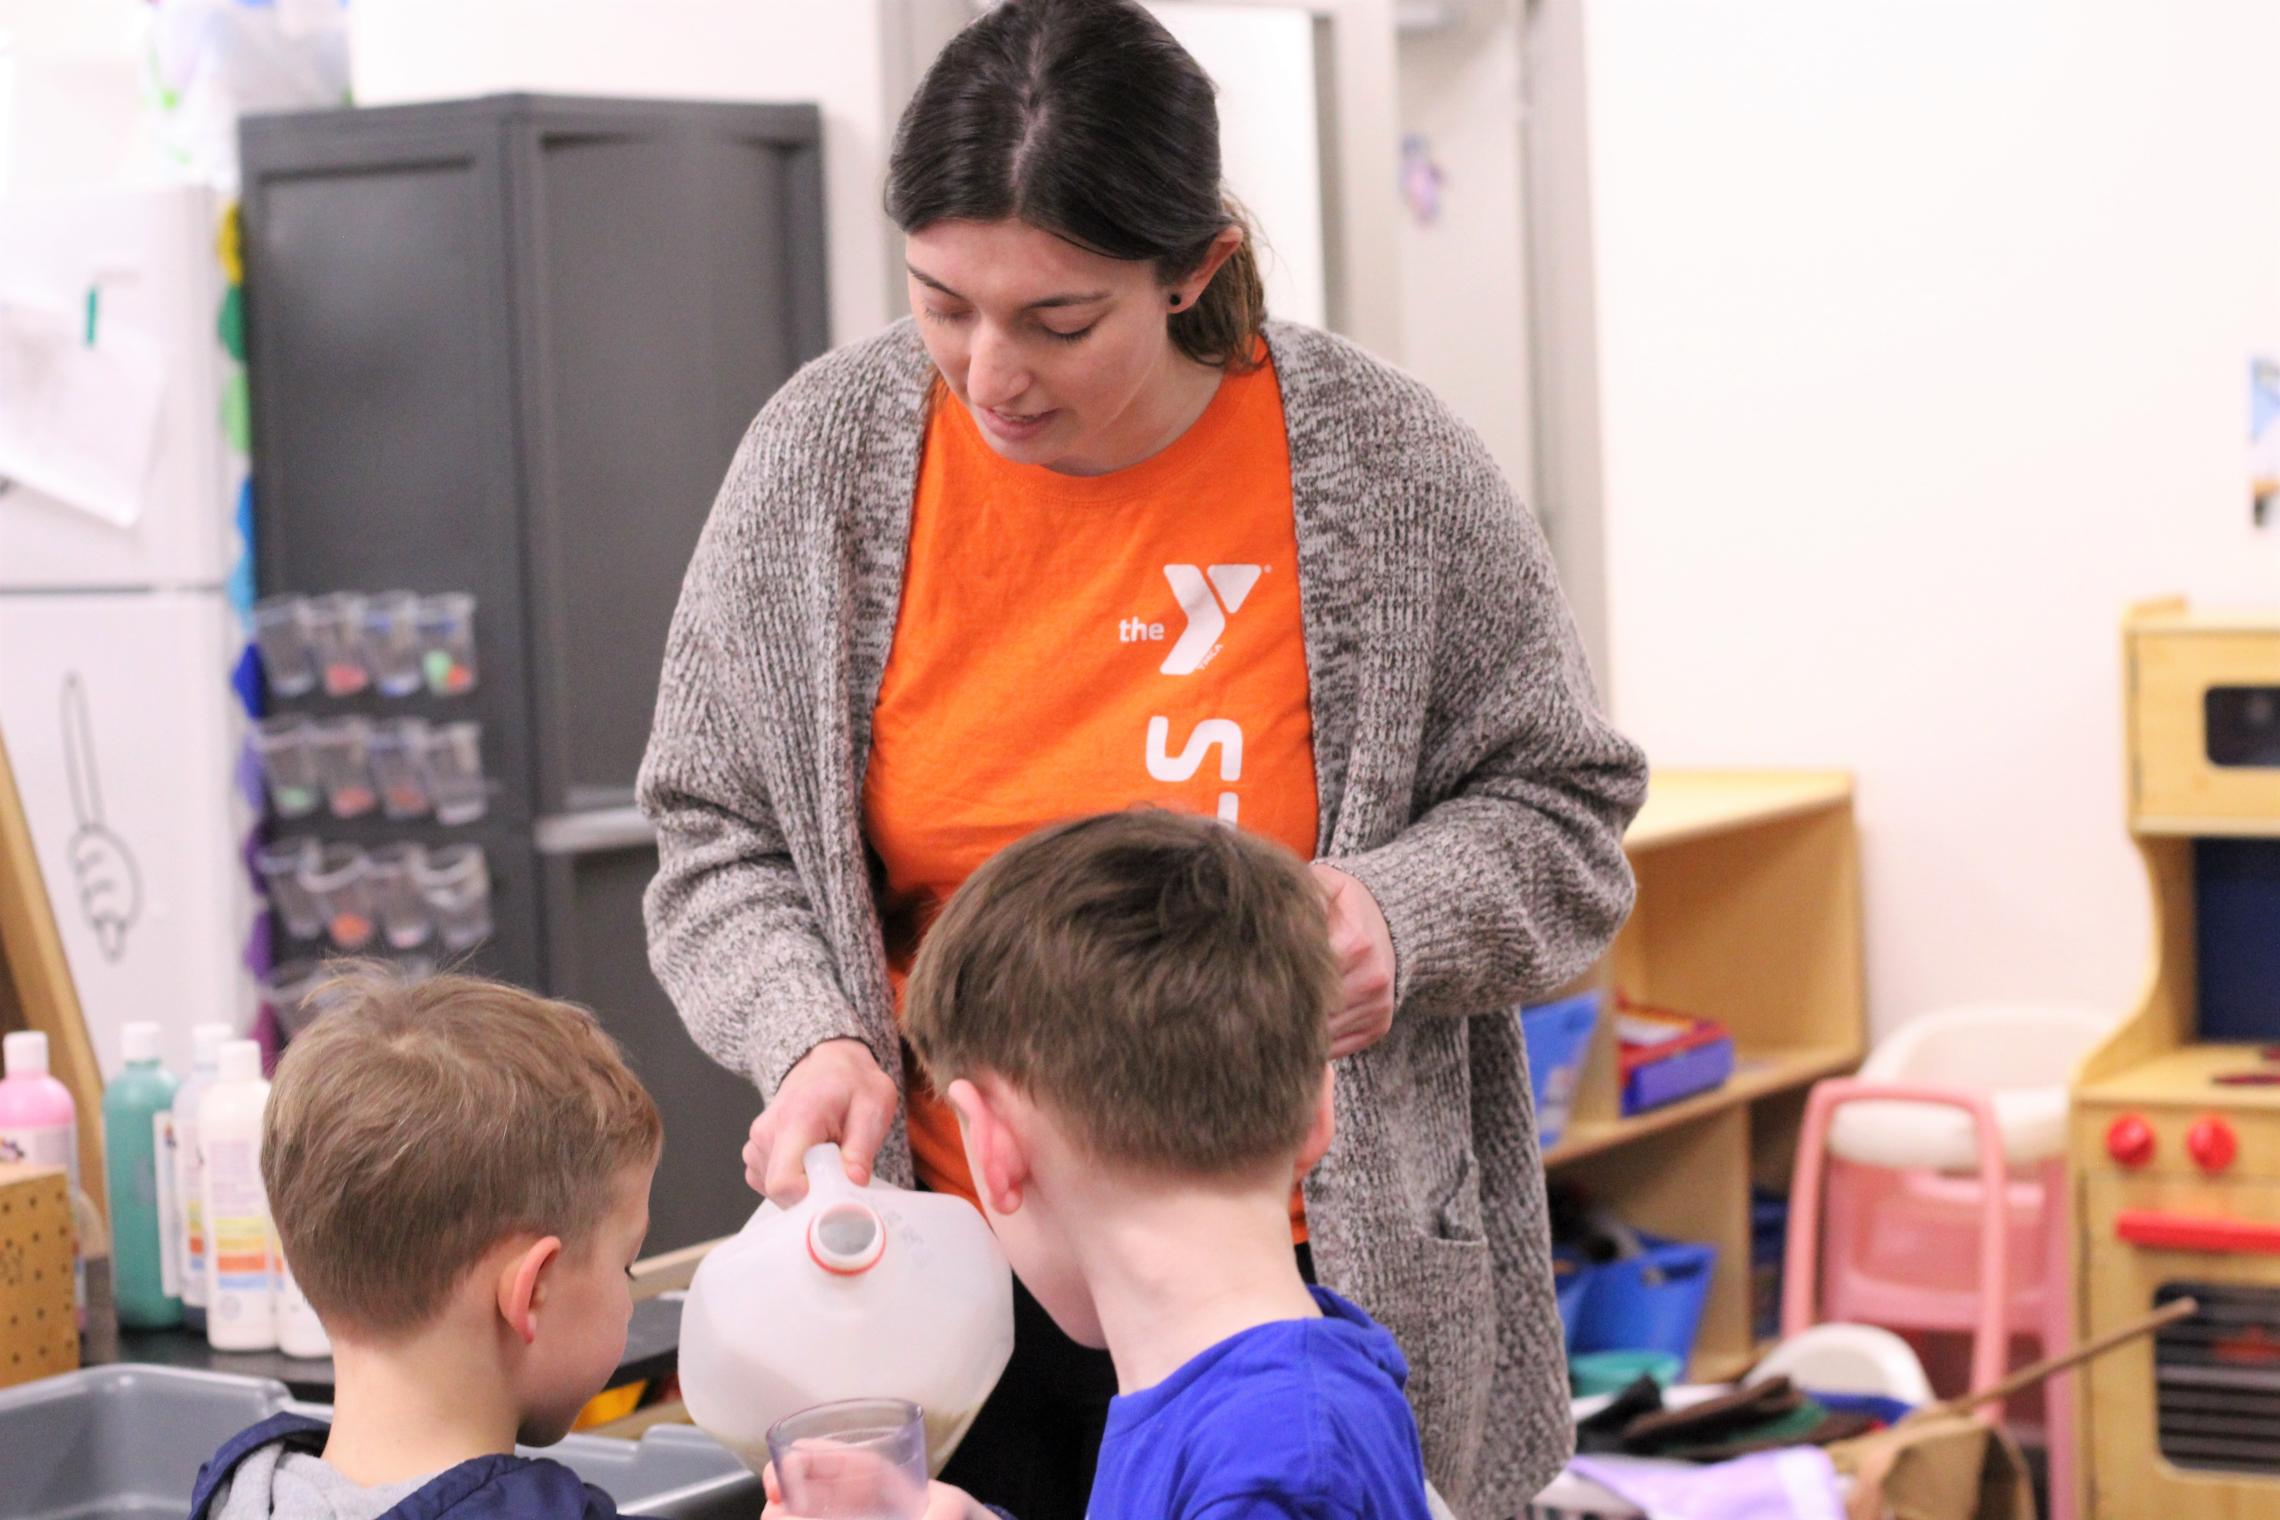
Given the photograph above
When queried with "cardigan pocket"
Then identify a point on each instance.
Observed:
(1456, 1214)
(1448, 1332)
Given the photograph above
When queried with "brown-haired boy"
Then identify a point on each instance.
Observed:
(1130, 1014)
(460, 1176)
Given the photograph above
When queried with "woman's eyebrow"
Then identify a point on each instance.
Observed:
(1076, 298)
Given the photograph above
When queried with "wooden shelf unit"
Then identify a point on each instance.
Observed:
(1748, 912)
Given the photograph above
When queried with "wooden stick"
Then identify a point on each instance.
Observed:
(2026, 1377)
(36, 990)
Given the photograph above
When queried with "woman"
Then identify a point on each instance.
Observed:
(1089, 532)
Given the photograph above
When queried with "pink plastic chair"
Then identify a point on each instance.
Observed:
(1944, 1205)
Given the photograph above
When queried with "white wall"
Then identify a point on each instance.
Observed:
(1923, 332)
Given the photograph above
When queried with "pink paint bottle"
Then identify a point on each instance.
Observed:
(38, 1121)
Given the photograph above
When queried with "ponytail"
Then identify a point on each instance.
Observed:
(1223, 327)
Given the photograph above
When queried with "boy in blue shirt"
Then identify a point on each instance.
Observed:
(460, 1176)
(1129, 1013)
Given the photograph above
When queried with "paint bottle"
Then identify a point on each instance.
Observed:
(241, 1287)
(189, 1175)
(39, 1123)
(138, 1169)
(299, 1331)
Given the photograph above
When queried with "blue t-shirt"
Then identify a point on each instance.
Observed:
(1303, 1417)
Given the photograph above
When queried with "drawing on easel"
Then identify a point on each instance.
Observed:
(109, 881)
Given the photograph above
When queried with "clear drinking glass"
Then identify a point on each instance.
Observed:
(859, 1459)
(447, 642)
(455, 772)
(284, 864)
(339, 881)
(289, 764)
(397, 755)
(336, 632)
(394, 874)
(341, 747)
(281, 633)
(455, 882)
(392, 642)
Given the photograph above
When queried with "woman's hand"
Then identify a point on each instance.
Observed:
(834, 1092)
(1364, 948)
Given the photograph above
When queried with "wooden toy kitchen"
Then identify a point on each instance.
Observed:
(2175, 1134)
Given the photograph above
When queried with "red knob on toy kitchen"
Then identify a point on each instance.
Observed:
(2129, 1140)
(2211, 1143)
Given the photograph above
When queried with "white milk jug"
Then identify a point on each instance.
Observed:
(853, 1292)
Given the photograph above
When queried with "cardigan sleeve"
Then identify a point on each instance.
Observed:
(1510, 879)
(734, 937)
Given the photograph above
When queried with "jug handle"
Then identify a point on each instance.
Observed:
(826, 1170)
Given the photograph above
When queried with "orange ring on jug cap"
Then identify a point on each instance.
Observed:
(855, 1260)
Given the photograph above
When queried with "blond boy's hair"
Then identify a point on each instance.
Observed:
(418, 1122)
(1159, 982)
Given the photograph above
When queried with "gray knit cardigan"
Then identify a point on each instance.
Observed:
(1464, 773)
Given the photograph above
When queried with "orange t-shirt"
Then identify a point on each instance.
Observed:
(1075, 644)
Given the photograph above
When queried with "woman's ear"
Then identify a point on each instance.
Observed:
(1186, 292)
(1324, 1127)
(522, 1286)
(994, 1151)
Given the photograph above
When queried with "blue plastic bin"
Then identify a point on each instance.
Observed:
(1558, 1037)
(1649, 1302)
(1571, 1280)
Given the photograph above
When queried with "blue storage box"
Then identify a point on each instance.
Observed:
(1649, 1302)
(1571, 1280)
(1558, 1038)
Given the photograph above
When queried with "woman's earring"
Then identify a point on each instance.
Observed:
(1175, 300)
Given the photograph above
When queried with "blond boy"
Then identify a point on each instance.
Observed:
(460, 1175)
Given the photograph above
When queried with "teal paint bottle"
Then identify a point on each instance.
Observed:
(138, 1167)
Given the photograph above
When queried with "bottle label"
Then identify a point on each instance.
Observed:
(164, 1164)
(237, 1220)
(42, 1145)
(189, 1187)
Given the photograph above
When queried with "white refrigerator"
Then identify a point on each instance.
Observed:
(123, 573)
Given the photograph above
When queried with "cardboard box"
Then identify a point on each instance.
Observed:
(39, 1333)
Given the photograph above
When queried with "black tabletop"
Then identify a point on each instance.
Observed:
(652, 1350)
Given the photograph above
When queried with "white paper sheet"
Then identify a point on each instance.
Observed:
(78, 421)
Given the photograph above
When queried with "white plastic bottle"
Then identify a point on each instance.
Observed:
(299, 1331)
(853, 1292)
(241, 1285)
(189, 1178)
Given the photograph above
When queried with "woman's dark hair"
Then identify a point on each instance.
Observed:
(1086, 119)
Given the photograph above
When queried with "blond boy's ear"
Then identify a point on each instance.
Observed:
(522, 1288)
(1324, 1127)
(994, 1150)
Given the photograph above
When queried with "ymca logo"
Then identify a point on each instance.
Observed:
(1208, 598)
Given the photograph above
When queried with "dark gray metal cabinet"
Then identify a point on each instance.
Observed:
(508, 346)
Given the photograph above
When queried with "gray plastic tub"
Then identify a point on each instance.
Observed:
(125, 1443)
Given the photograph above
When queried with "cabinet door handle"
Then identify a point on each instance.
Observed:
(593, 831)
(2187, 1232)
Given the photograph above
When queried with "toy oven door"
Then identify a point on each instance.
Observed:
(2187, 1423)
